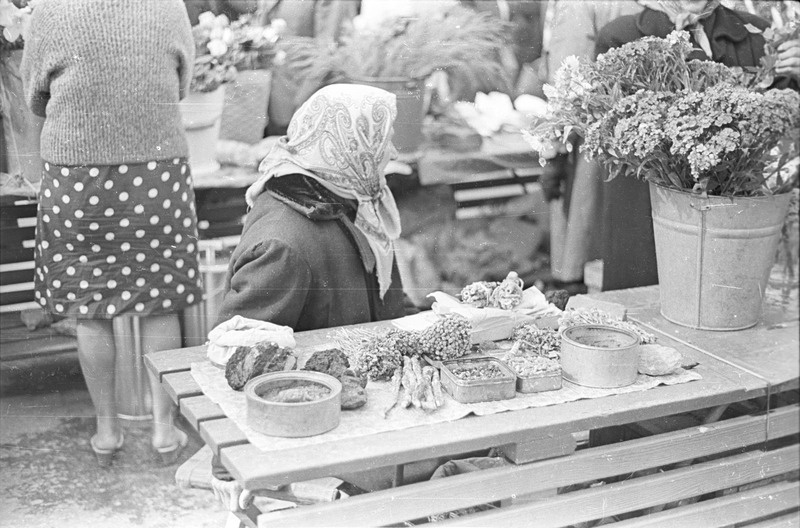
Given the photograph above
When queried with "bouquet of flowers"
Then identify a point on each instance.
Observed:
(222, 46)
(257, 46)
(644, 111)
(215, 52)
(14, 22)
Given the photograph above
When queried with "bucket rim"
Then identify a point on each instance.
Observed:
(614, 329)
(712, 197)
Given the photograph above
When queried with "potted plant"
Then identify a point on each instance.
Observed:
(716, 148)
(214, 65)
(256, 48)
(399, 53)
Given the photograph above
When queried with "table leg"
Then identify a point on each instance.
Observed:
(398, 475)
(551, 446)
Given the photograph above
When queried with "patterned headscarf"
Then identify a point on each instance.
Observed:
(686, 19)
(341, 137)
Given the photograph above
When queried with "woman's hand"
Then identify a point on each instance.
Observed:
(788, 63)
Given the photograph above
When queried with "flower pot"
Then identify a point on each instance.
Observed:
(244, 116)
(410, 109)
(714, 256)
(201, 113)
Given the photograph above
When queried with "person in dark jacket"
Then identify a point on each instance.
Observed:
(719, 34)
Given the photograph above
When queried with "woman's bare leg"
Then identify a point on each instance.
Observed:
(161, 332)
(97, 355)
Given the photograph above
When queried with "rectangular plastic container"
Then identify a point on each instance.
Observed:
(472, 391)
(544, 381)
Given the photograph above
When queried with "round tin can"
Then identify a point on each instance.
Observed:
(599, 356)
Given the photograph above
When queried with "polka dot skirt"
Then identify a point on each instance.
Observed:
(114, 240)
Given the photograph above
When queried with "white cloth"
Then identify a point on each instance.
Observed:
(241, 331)
(341, 137)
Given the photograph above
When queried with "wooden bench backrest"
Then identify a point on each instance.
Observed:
(17, 235)
(645, 473)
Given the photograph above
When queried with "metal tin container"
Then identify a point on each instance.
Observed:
(599, 356)
(471, 391)
(293, 419)
(541, 382)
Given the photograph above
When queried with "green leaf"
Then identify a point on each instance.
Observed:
(752, 29)
(675, 179)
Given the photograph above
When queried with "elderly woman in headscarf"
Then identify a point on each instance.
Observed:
(317, 247)
(720, 34)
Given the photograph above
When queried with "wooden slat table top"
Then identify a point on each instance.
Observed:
(768, 350)
(723, 382)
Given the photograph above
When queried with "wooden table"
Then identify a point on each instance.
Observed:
(736, 367)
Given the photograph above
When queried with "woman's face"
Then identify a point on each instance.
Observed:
(694, 6)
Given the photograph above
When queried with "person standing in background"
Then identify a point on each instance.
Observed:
(116, 231)
(575, 186)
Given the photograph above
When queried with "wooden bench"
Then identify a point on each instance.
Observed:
(21, 348)
(740, 470)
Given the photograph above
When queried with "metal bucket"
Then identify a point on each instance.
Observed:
(410, 109)
(599, 356)
(134, 401)
(714, 256)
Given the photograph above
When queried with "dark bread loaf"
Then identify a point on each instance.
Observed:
(247, 362)
(334, 362)
(353, 394)
(558, 297)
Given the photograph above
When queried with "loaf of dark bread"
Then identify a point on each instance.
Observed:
(559, 298)
(334, 362)
(353, 394)
(247, 362)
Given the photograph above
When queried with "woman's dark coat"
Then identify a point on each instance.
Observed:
(302, 263)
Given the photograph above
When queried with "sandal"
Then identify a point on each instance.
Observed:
(106, 456)
(169, 455)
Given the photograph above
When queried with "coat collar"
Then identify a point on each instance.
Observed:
(309, 198)
(725, 23)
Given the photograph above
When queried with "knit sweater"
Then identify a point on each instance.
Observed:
(107, 76)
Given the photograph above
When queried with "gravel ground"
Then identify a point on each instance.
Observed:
(50, 477)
